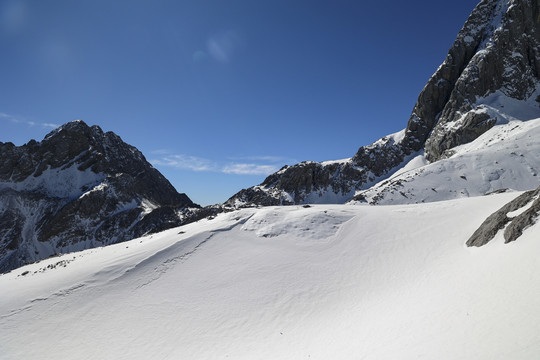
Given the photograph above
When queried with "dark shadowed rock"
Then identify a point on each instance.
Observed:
(76, 189)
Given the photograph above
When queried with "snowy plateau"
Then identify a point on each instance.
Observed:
(318, 282)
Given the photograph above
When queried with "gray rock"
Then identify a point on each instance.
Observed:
(499, 220)
(521, 222)
(498, 49)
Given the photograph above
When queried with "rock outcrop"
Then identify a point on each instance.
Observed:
(527, 206)
(325, 182)
(292, 185)
(76, 189)
(496, 56)
(498, 50)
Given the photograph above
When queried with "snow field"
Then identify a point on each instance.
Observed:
(324, 282)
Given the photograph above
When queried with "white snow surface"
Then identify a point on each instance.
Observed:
(505, 157)
(341, 161)
(60, 182)
(328, 196)
(324, 282)
(507, 109)
(394, 138)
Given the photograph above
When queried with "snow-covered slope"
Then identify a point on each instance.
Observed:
(505, 157)
(323, 282)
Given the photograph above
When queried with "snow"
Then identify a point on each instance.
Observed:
(505, 157)
(502, 108)
(332, 162)
(391, 139)
(324, 282)
(59, 182)
(328, 196)
(418, 160)
(98, 188)
(147, 207)
(507, 109)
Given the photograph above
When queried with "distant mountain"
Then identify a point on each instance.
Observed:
(79, 188)
(489, 77)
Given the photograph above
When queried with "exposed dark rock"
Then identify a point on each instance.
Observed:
(381, 156)
(80, 188)
(292, 184)
(474, 125)
(499, 220)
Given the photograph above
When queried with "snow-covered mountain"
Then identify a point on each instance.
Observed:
(505, 157)
(490, 76)
(448, 271)
(322, 282)
(471, 132)
(76, 189)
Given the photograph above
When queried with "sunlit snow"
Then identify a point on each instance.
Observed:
(318, 282)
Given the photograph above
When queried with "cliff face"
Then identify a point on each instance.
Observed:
(494, 60)
(496, 53)
(79, 188)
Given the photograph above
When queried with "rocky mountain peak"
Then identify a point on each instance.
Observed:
(490, 76)
(79, 187)
(73, 140)
(74, 126)
(497, 54)
(496, 51)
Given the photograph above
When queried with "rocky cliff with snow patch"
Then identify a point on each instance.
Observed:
(79, 188)
(490, 76)
(511, 220)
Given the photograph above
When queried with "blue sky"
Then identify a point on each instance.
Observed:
(217, 94)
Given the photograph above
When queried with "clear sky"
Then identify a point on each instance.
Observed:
(218, 94)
